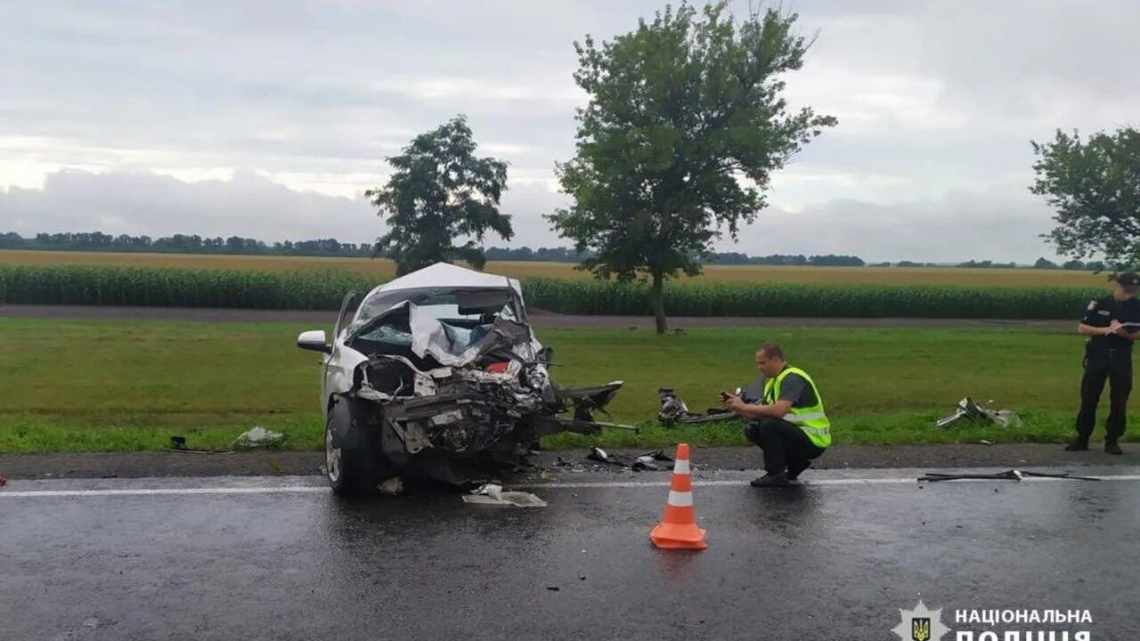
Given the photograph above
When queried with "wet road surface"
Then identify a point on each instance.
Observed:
(303, 463)
(257, 558)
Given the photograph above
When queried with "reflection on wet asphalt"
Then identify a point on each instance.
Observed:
(816, 562)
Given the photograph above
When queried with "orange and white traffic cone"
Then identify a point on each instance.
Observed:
(678, 528)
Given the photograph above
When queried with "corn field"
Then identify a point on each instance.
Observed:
(174, 287)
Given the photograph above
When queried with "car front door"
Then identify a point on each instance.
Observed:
(347, 308)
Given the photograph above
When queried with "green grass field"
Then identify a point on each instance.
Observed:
(109, 385)
(384, 269)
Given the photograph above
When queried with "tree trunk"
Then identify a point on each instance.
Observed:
(657, 295)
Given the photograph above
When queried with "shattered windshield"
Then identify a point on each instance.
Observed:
(465, 313)
(444, 304)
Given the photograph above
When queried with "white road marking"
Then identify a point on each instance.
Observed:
(318, 489)
(809, 483)
(295, 489)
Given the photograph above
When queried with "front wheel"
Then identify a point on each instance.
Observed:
(350, 471)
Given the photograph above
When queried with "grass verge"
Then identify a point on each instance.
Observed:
(129, 386)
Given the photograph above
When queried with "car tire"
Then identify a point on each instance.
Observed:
(351, 471)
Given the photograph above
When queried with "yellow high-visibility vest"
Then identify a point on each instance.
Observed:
(812, 420)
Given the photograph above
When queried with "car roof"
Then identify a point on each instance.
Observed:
(449, 276)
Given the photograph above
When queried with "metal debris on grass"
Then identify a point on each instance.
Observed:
(674, 410)
(970, 412)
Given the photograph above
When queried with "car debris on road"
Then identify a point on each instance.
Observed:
(1008, 475)
(392, 487)
(643, 462)
(436, 372)
(493, 494)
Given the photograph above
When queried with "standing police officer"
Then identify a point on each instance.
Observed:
(1113, 324)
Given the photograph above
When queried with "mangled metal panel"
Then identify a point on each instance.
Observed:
(456, 347)
(970, 412)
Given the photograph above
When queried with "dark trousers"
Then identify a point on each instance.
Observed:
(1114, 366)
(785, 445)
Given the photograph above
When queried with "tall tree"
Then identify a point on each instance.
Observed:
(1094, 186)
(439, 192)
(685, 124)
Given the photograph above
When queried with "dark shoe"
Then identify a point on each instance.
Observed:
(1112, 448)
(1078, 445)
(779, 479)
(795, 469)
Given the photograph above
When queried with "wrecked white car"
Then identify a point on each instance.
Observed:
(437, 373)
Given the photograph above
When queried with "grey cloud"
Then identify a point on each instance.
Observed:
(957, 227)
(960, 226)
(143, 203)
(936, 99)
(247, 205)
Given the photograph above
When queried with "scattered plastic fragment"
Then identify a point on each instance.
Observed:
(392, 487)
(644, 463)
(598, 454)
(259, 437)
(493, 494)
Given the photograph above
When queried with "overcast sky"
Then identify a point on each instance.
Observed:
(269, 119)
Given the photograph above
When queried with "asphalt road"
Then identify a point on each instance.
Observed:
(257, 558)
(748, 458)
(538, 318)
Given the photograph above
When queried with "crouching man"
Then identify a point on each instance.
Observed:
(789, 423)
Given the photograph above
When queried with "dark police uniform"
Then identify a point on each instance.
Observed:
(1107, 358)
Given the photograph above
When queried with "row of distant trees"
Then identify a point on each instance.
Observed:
(1073, 265)
(182, 244)
(830, 260)
(195, 244)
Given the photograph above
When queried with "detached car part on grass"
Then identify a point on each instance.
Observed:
(971, 413)
(435, 373)
(674, 410)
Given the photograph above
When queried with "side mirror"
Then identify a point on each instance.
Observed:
(314, 340)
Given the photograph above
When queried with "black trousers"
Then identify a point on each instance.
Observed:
(785, 445)
(1114, 366)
